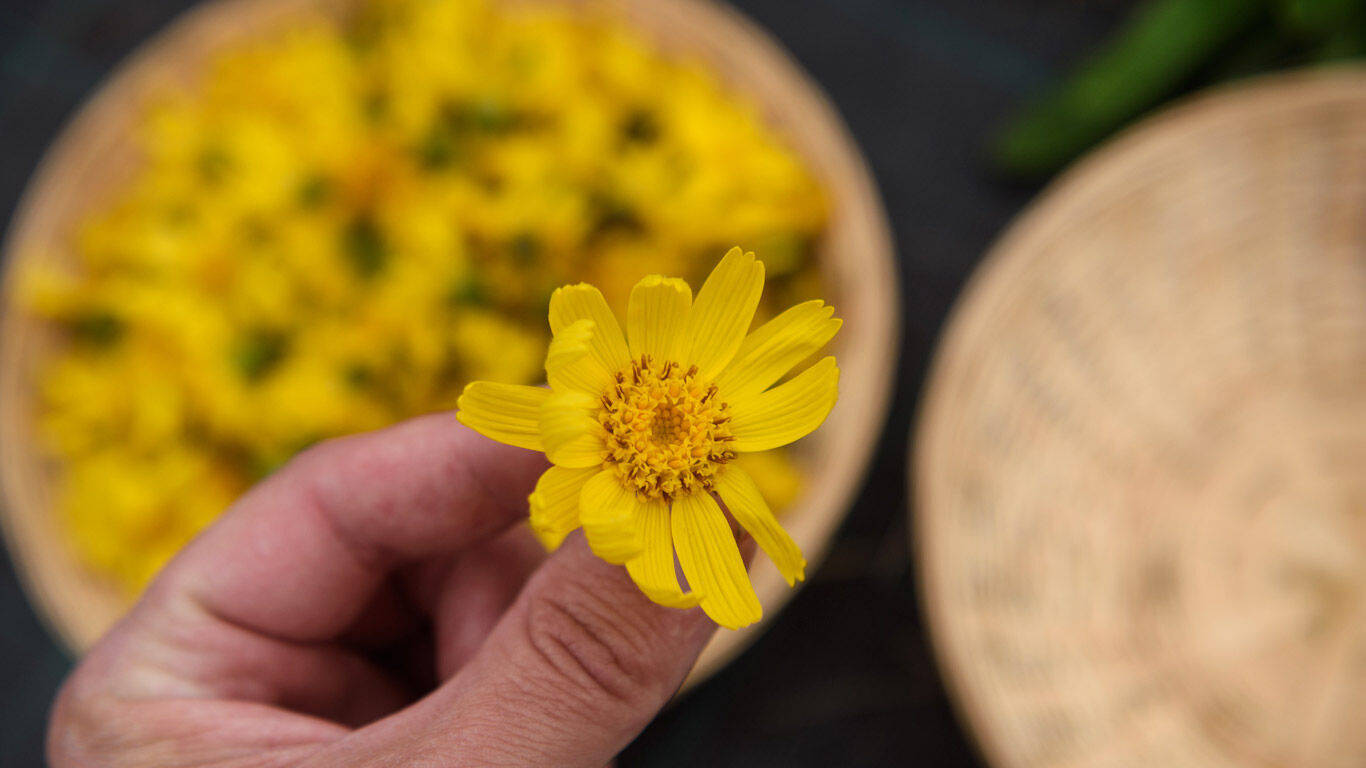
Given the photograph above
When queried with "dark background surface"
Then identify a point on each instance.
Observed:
(845, 675)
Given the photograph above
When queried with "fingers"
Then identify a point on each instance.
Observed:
(476, 591)
(300, 555)
(576, 668)
(111, 733)
(585, 658)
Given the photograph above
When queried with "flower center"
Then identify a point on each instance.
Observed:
(666, 431)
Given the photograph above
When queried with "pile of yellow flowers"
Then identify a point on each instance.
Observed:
(343, 223)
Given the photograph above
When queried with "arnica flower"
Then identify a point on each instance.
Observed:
(642, 428)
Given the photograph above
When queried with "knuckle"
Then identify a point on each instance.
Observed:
(593, 650)
(319, 453)
(86, 728)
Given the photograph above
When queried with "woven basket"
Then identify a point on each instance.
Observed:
(95, 155)
(1140, 473)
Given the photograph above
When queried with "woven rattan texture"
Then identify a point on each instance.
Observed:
(1141, 468)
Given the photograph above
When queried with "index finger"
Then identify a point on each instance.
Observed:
(300, 555)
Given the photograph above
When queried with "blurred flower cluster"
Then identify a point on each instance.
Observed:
(344, 222)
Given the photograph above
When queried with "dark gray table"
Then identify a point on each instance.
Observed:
(844, 676)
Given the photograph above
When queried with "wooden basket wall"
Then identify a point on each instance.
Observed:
(95, 155)
(1140, 474)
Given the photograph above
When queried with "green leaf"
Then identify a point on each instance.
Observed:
(364, 246)
(97, 328)
(259, 352)
(1161, 45)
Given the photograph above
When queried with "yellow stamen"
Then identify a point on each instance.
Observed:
(666, 431)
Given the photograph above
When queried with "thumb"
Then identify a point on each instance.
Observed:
(571, 674)
(580, 665)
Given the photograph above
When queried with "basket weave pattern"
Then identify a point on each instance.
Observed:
(96, 154)
(1141, 467)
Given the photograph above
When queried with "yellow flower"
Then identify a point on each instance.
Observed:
(643, 429)
(340, 223)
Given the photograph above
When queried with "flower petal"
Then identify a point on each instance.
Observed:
(723, 311)
(555, 504)
(570, 435)
(612, 518)
(711, 561)
(742, 498)
(776, 346)
(775, 474)
(571, 364)
(657, 318)
(653, 570)
(508, 413)
(584, 302)
(787, 412)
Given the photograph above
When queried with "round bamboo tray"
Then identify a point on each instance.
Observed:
(95, 155)
(1140, 473)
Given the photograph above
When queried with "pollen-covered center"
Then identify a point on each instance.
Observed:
(666, 430)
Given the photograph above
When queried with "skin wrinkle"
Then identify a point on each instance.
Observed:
(316, 502)
(511, 746)
(152, 672)
(354, 673)
(637, 633)
(492, 511)
(260, 695)
(486, 491)
(478, 587)
(576, 648)
(316, 493)
(206, 605)
(371, 555)
(181, 650)
(128, 734)
(612, 660)
(456, 463)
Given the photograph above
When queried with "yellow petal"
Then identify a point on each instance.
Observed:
(508, 413)
(742, 498)
(653, 570)
(711, 561)
(787, 412)
(723, 311)
(570, 364)
(611, 518)
(775, 474)
(570, 435)
(555, 504)
(657, 318)
(776, 346)
(572, 303)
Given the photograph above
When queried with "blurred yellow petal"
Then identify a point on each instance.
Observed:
(653, 570)
(776, 474)
(711, 561)
(744, 502)
(787, 412)
(571, 364)
(657, 318)
(612, 518)
(723, 311)
(555, 504)
(572, 303)
(508, 413)
(570, 435)
(776, 347)
(285, 267)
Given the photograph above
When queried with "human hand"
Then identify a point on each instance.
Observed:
(369, 604)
